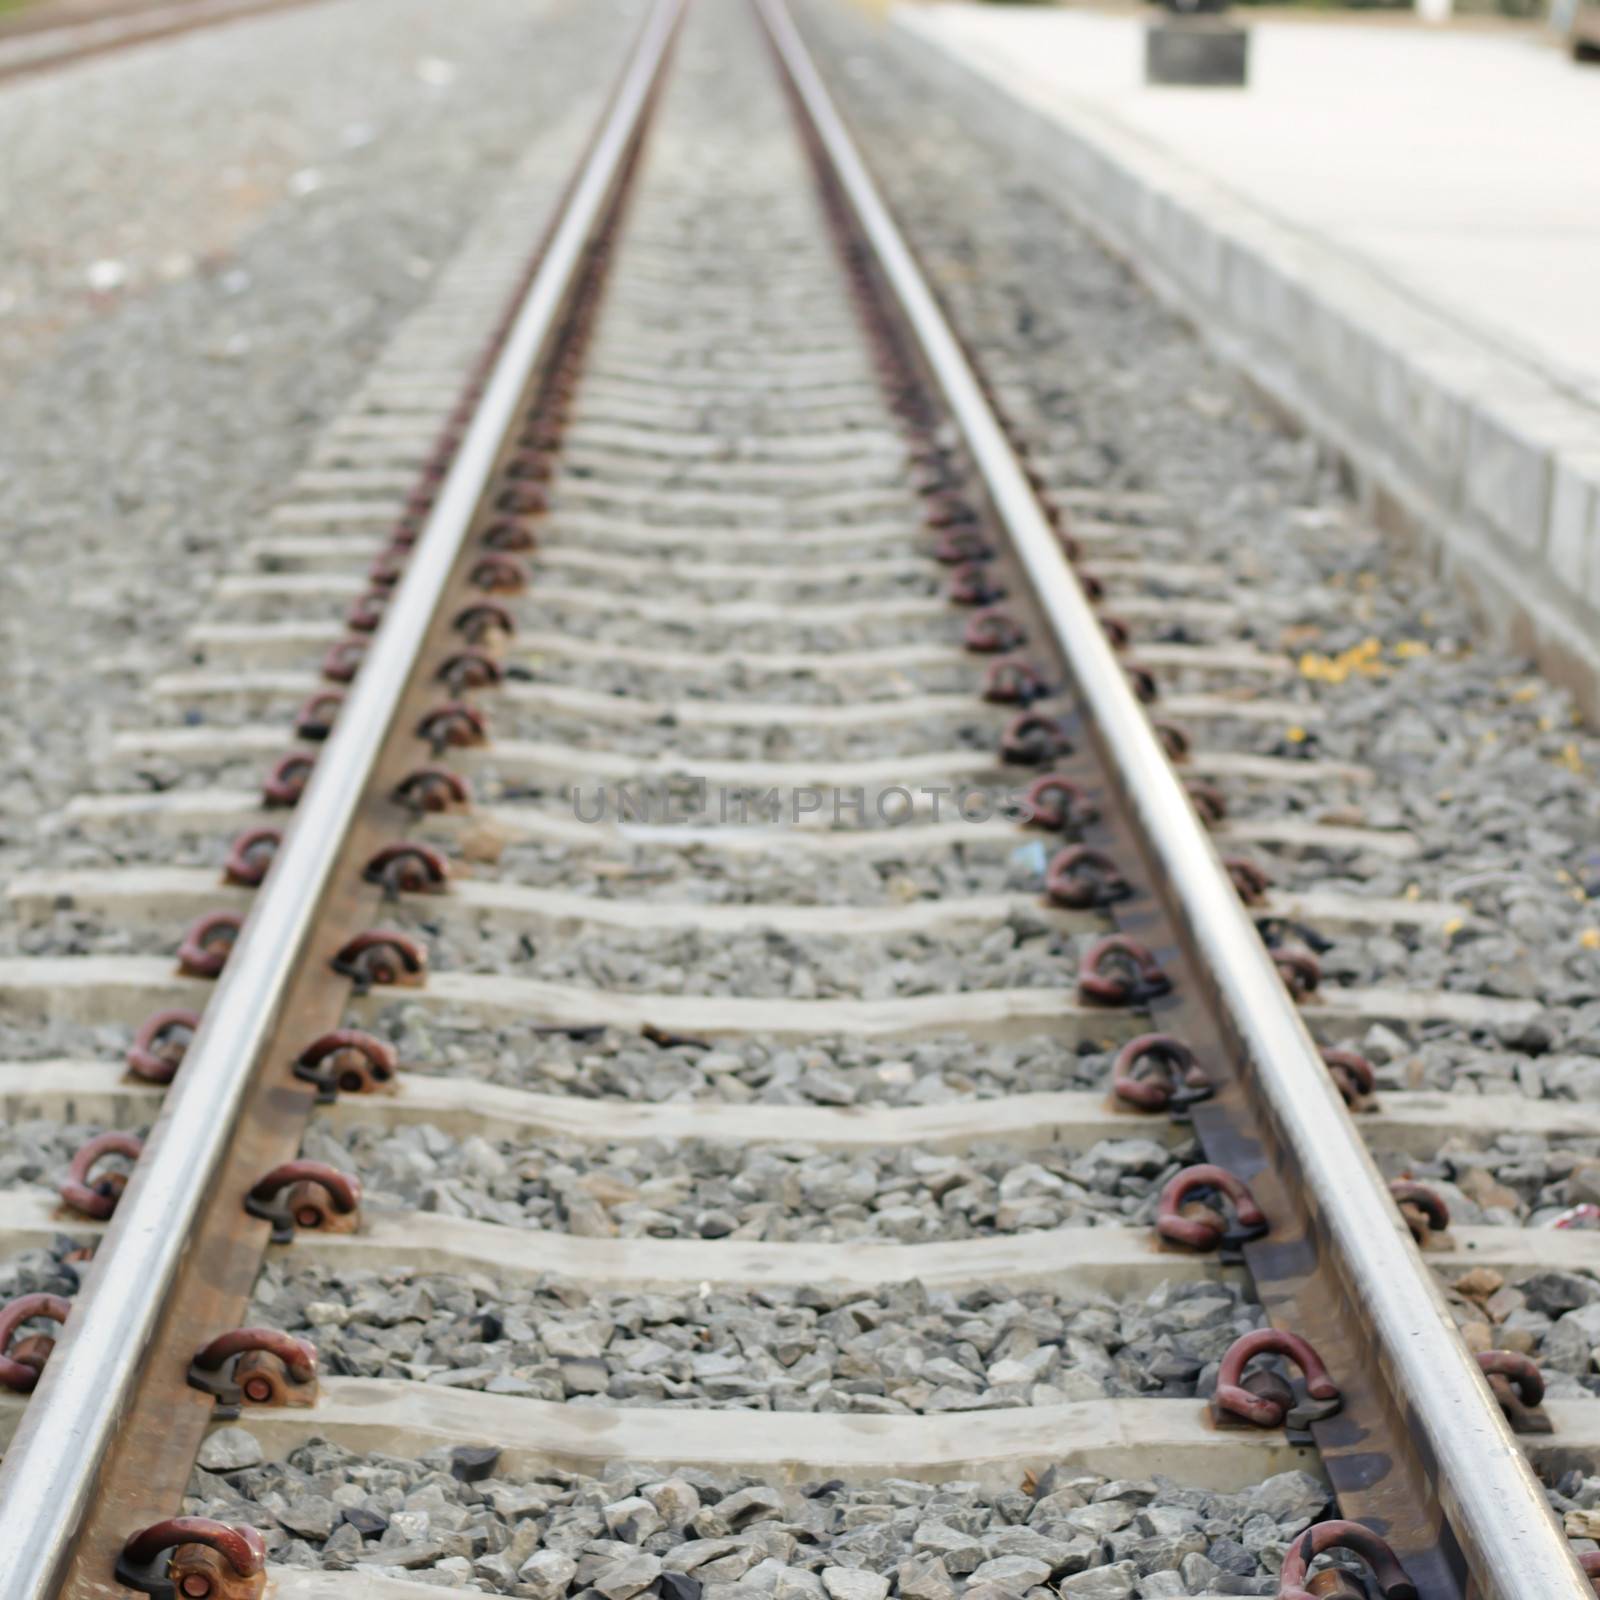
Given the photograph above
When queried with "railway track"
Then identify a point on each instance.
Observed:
(36, 42)
(724, 1053)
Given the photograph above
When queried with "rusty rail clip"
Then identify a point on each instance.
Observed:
(1264, 1398)
(208, 1560)
(255, 1366)
(315, 1196)
(1295, 1584)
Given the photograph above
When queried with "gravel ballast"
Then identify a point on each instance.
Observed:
(695, 1535)
(695, 1189)
(212, 238)
(899, 1350)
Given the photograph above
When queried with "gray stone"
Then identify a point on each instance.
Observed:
(1555, 1293)
(744, 1507)
(1291, 1497)
(693, 1555)
(1161, 1586)
(851, 1583)
(230, 1450)
(961, 1552)
(1014, 1574)
(547, 1573)
(1115, 1582)
(633, 1519)
(311, 1516)
(412, 1556)
(795, 1583)
(675, 1500)
(925, 1578)
(624, 1578)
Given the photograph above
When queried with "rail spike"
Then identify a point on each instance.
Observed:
(1262, 1398)
(255, 1366)
(206, 1560)
(1294, 1578)
(313, 1195)
(1201, 1227)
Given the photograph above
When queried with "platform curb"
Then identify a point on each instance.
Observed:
(1465, 446)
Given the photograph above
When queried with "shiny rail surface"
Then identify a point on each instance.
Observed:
(49, 1474)
(1495, 1508)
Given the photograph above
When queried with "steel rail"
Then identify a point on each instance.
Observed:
(50, 1473)
(1497, 1512)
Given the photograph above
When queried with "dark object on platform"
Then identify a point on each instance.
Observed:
(1200, 50)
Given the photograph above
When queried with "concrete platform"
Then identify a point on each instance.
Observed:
(1395, 229)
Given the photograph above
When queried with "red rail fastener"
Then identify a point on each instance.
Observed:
(382, 957)
(993, 633)
(408, 868)
(1012, 683)
(433, 789)
(971, 585)
(497, 573)
(20, 1365)
(1032, 738)
(348, 1059)
(314, 720)
(1300, 971)
(1264, 1399)
(159, 1045)
(366, 613)
(1322, 1537)
(389, 567)
(1094, 589)
(509, 536)
(1202, 1227)
(531, 466)
(1250, 882)
(1209, 802)
(1119, 971)
(208, 943)
(539, 435)
(1172, 1072)
(1143, 683)
(256, 1366)
(343, 659)
(1352, 1074)
(1589, 1560)
(523, 501)
(1175, 741)
(1061, 526)
(962, 545)
(1518, 1385)
(250, 855)
(99, 1198)
(1518, 1372)
(209, 1560)
(469, 669)
(949, 511)
(1057, 803)
(287, 778)
(1424, 1211)
(314, 1195)
(1081, 877)
(454, 723)
(482, 620)
(933, 471)
(1118, 634)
